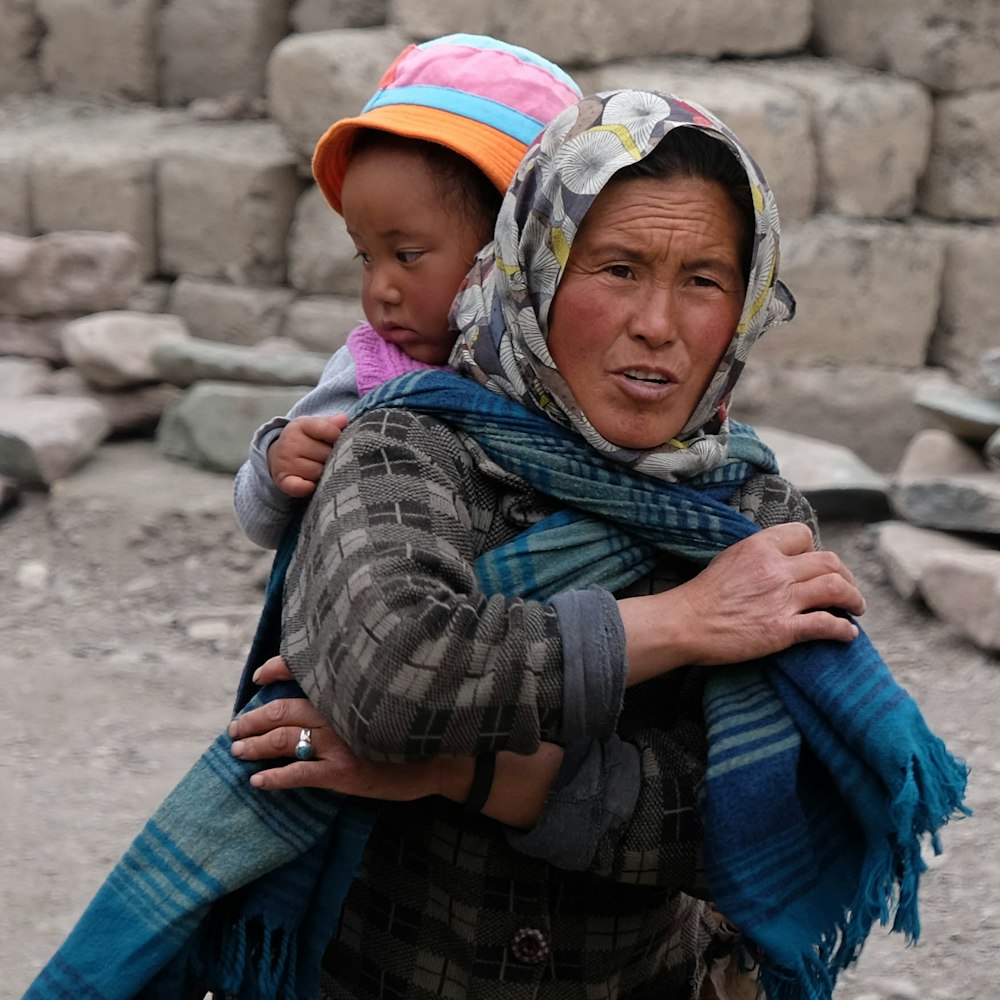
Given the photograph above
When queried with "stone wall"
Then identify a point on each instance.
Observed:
(187, 126)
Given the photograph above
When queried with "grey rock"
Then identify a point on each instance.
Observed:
(211, 424)
(322, 258)
(10, 494)
(937, 452)
(67, 272)
(963, 589)
(43, 438)
(24, 377)
(150, 297)
(907, 550)
(323, 15)
(182, 363)
(113, 350)
(130, 412)
(969, 502)
(991, 451)
(989, 371)
(834, 480)
(321, 323)
(227, 313)
(33, 338)
(965, 413)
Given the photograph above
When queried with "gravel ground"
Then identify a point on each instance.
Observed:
(127, 601)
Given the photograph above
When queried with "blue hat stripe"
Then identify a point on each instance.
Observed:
(518, 126)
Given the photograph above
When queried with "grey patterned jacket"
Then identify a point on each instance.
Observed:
(388, 633)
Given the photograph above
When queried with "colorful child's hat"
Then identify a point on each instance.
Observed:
(483, 98)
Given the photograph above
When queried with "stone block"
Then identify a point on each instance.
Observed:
(43, 438)
(150, 297)
(231, 314)
(833, 479)
(840, 404)
(107, 187)
(211, 423)
(946, 44)
(962, 181)
(316, 78)
(322, 258)
(33, 338)
(872, 133)
(424, 19)
(937, 452)
(114, 350)
(211, 48)
(227, 194)
(906, 550)
(867, 292)
(99, 48)
(969, 317)
(963, 589)
(182, 363)
(325, 15)
(24, 377)
(966, 414)
(67, 272)
(593, 31)
(15, 203)
(769, 118)
(321, 323)
(19, 40)
(130, 412)
(968, 502)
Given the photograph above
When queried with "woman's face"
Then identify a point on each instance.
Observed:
(647, 305)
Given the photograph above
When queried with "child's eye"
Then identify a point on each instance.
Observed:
(409, 256)
(365, 258)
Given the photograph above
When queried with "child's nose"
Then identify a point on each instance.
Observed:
(384, 287)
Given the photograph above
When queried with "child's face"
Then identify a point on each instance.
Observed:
(415, 245)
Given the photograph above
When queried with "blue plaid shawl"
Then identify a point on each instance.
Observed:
(822, 779)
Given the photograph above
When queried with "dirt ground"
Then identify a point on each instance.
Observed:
(127, 601)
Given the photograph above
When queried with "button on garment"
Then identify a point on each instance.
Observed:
(530, 946)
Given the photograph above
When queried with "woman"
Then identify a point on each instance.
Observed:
(466, 586)
(515, 604)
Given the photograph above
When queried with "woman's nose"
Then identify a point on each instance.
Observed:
(653, 317)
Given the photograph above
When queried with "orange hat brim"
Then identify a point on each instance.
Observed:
(494, 152)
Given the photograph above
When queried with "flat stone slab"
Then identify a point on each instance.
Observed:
(907, 550)
(963, 589)
(834, 480)
(43, 438)
(211, 424)
(971, 417)
(184, 362)
(969, 502)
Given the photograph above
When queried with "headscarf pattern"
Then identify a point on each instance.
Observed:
(502, 311)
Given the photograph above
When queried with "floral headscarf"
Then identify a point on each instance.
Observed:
(502, 312)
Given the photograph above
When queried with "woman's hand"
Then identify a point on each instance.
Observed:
(519, 789)
(761, 595)
(271, 732)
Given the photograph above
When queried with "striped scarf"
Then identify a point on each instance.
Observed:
(822, 779)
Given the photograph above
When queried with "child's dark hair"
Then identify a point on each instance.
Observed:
(689, 152)
(455, 176)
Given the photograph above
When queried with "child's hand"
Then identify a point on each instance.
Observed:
(297, 456)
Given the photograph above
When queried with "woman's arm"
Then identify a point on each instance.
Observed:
(385, 626)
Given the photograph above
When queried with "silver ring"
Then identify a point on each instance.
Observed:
(304, 748)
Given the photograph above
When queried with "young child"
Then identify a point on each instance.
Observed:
(418, 177)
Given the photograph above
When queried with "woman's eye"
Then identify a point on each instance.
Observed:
(619, 270)
(704, 282)
(408, 256)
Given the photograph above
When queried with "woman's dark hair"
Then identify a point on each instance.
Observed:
(689, 152)
(455, 176)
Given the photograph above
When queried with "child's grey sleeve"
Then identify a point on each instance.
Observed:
(262, 510)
